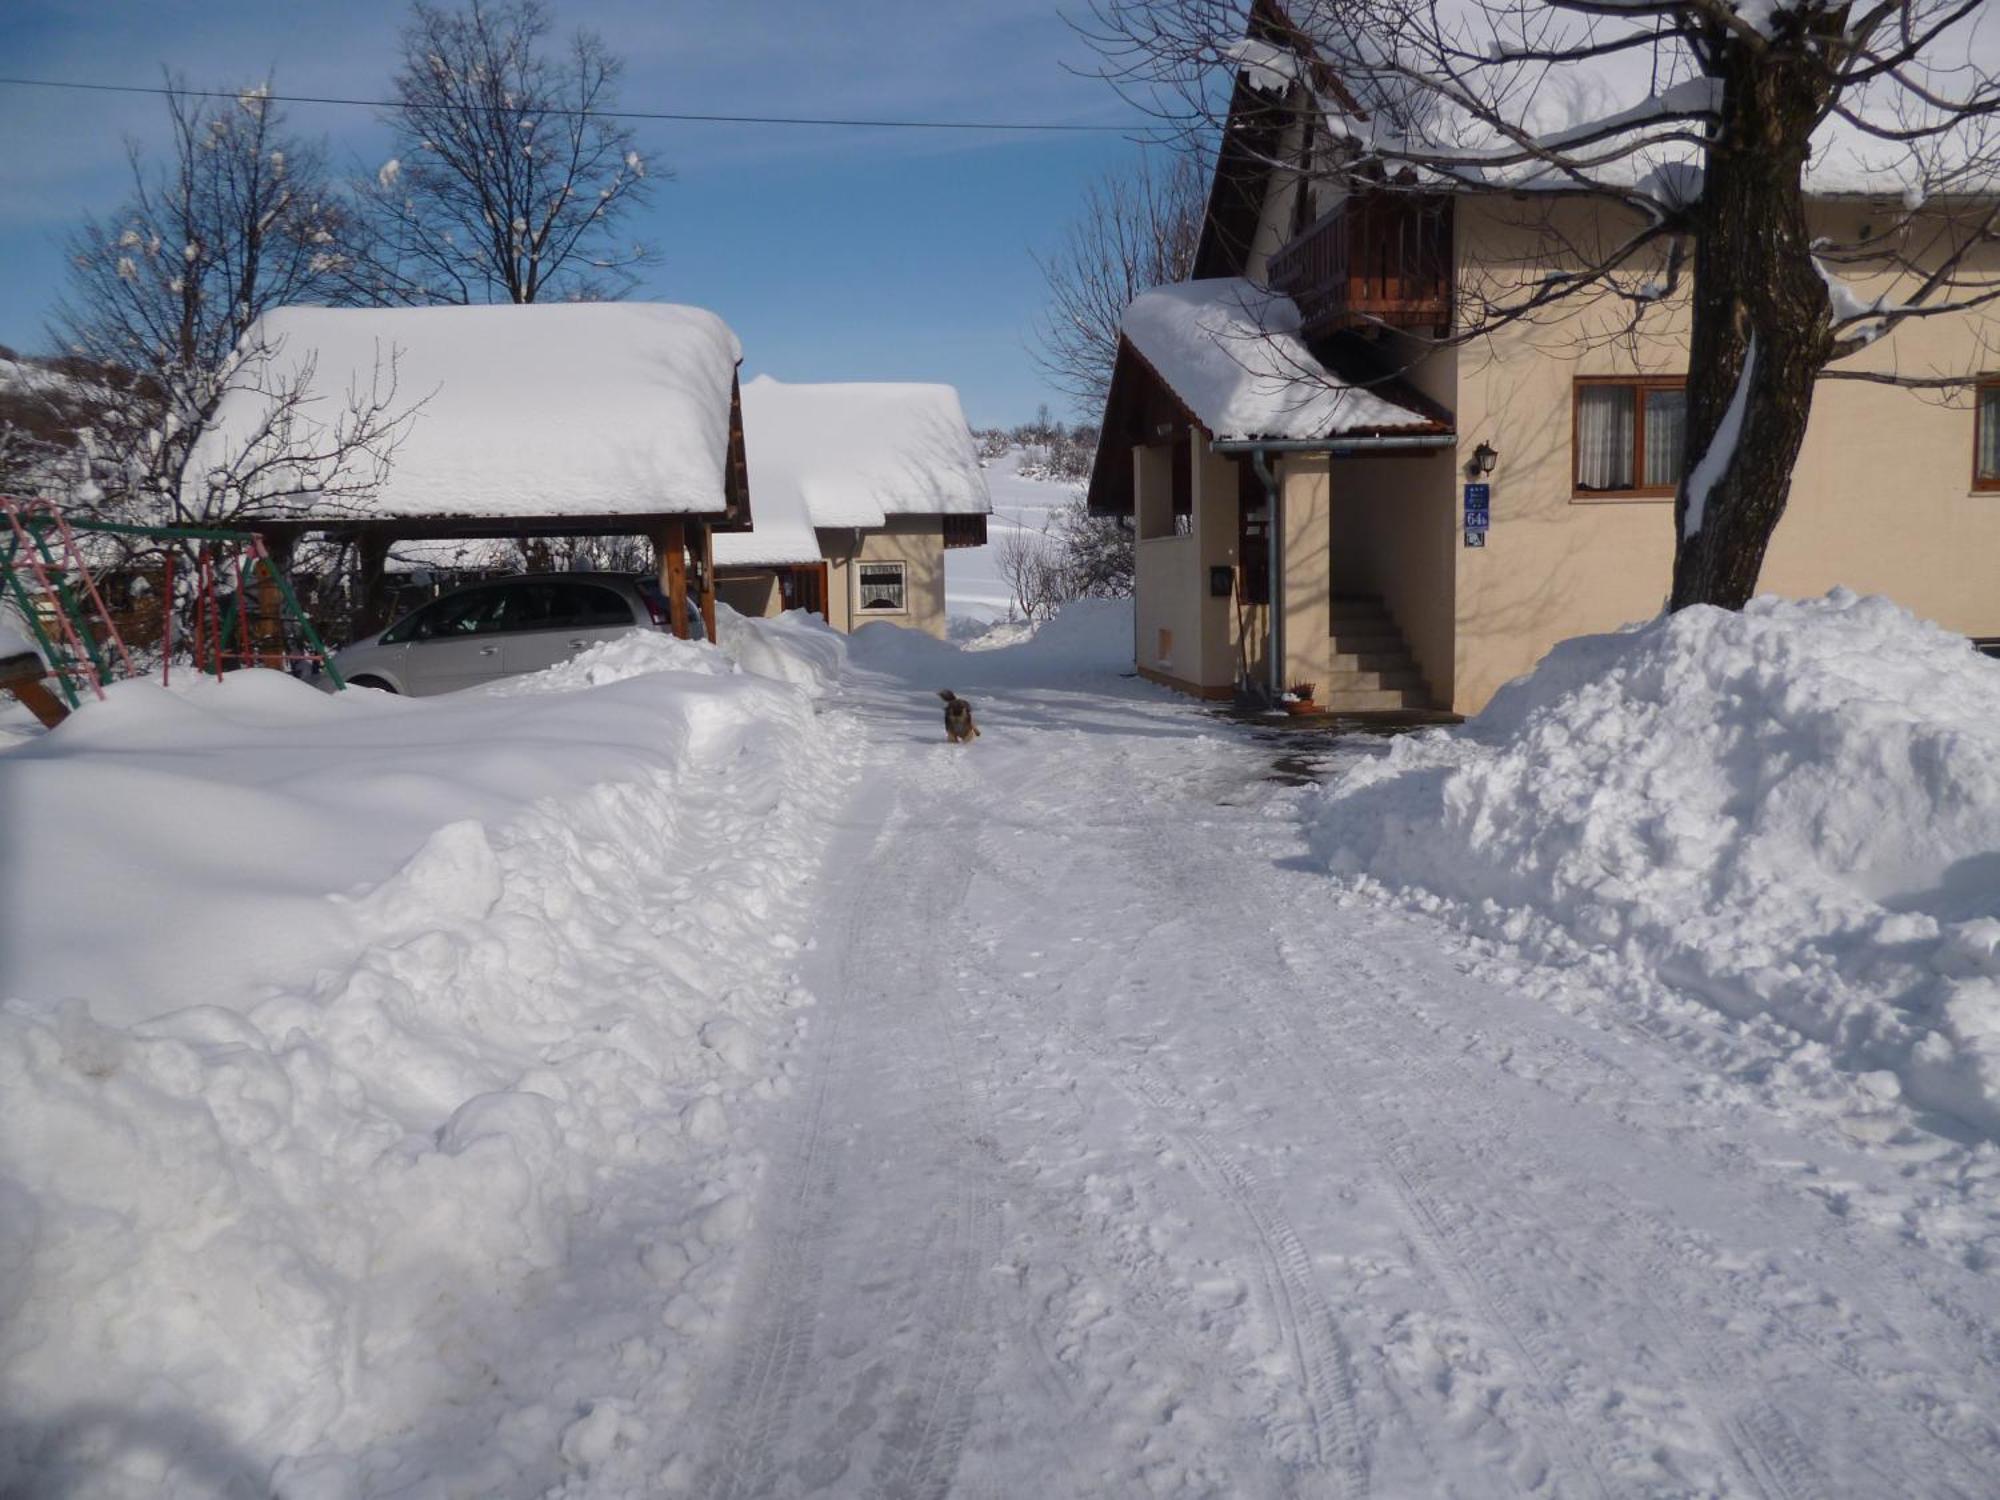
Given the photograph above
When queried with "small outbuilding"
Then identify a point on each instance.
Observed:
(862, 488)
(499, 422)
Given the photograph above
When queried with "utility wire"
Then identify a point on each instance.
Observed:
(591, 114)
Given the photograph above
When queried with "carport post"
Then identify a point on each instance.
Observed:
(707, 535)
(372, 608)
(670, 543)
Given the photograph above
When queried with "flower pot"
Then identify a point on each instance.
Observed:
(1298, 708)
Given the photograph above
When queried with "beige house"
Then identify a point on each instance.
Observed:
(861, 490)
(1429, 518)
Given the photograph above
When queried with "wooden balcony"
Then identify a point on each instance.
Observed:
(1379, 260)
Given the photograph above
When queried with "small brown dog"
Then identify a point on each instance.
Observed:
(958, 725)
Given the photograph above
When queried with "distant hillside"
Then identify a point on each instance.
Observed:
(47, 407)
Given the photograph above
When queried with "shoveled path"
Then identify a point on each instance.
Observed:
(1123, 1158)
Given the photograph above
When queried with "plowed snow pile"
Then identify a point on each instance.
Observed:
(418, 1169)
(1792, 812)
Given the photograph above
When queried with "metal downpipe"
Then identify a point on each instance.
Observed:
(1260, 461)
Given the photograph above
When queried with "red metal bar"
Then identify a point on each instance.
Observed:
(242, 611)
(25, 546)
(73, 555)
(167, 616)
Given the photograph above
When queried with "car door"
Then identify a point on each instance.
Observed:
(567, 615)
(459, 642)
(539, 633)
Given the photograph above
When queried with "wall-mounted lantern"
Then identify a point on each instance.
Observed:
(1482, 461)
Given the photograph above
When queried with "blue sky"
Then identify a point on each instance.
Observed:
(835, 254)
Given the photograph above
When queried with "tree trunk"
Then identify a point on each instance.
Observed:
(1755, 287)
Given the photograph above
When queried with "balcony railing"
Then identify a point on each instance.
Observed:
(1379, 259)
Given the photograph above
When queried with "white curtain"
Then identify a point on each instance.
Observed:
(1666, 430)
(882, 586)
(1604, 421)
(1989, 433)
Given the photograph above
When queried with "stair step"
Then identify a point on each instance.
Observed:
(1368, 643)
(1374, 700)
(1345, 609)
(1406, 676)
(1372, 661)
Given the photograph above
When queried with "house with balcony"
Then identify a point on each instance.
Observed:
(862, 487)
(1328, 487)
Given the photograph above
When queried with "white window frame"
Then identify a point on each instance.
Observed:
(861, 612)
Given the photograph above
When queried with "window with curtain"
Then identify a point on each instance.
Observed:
(1629, 436)
(880, 585)
(1986, 442)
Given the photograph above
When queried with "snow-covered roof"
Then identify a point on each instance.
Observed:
(849, 454)
(551, 409)
(1231, 351)
(1627, 116)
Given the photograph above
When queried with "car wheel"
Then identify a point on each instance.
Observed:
(370, 682)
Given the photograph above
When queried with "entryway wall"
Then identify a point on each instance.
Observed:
(1395, 536)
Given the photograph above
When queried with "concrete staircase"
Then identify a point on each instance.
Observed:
(1373, 671)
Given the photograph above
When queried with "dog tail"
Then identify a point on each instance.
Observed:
(948, 695)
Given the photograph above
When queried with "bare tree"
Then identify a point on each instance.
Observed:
(1135, 231)
(1096, 552)
(163, 300)
(509, 178)
(1029, 564)
(1695, 133)
(1075, 555)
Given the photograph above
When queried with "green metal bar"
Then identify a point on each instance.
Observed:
(312, 636)
(228, 627)
(79, 620)
(35, 524)
(50, 655)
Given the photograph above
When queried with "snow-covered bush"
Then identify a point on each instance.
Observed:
(1792, 812)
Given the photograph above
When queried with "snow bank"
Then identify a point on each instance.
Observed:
(1792, 812)
(429, 1187)
(1088, 633)
(631, 655)
(796, 647)
(1086, 638)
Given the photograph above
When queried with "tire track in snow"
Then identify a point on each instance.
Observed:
(1305, 1321)
(953, 1354)
(1762, 1446)
(1462, 1272)
(1774, 1464)
(1931, 1317)
(890, 1082)
(770, 1373)
(1769, 1453)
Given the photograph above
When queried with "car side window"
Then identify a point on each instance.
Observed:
(591, 607)
(413, 626)
(474, 612)
(537, 606)
(598, 606)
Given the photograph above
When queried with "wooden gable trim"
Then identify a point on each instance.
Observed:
(1137, 400)
(736, 467)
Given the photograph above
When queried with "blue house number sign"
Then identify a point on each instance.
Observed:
(1478, 513)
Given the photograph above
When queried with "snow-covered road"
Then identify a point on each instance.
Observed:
(1125, 1156)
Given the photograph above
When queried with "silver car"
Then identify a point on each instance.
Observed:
(501, 628)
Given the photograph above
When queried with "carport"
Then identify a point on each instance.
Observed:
(506, 423)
